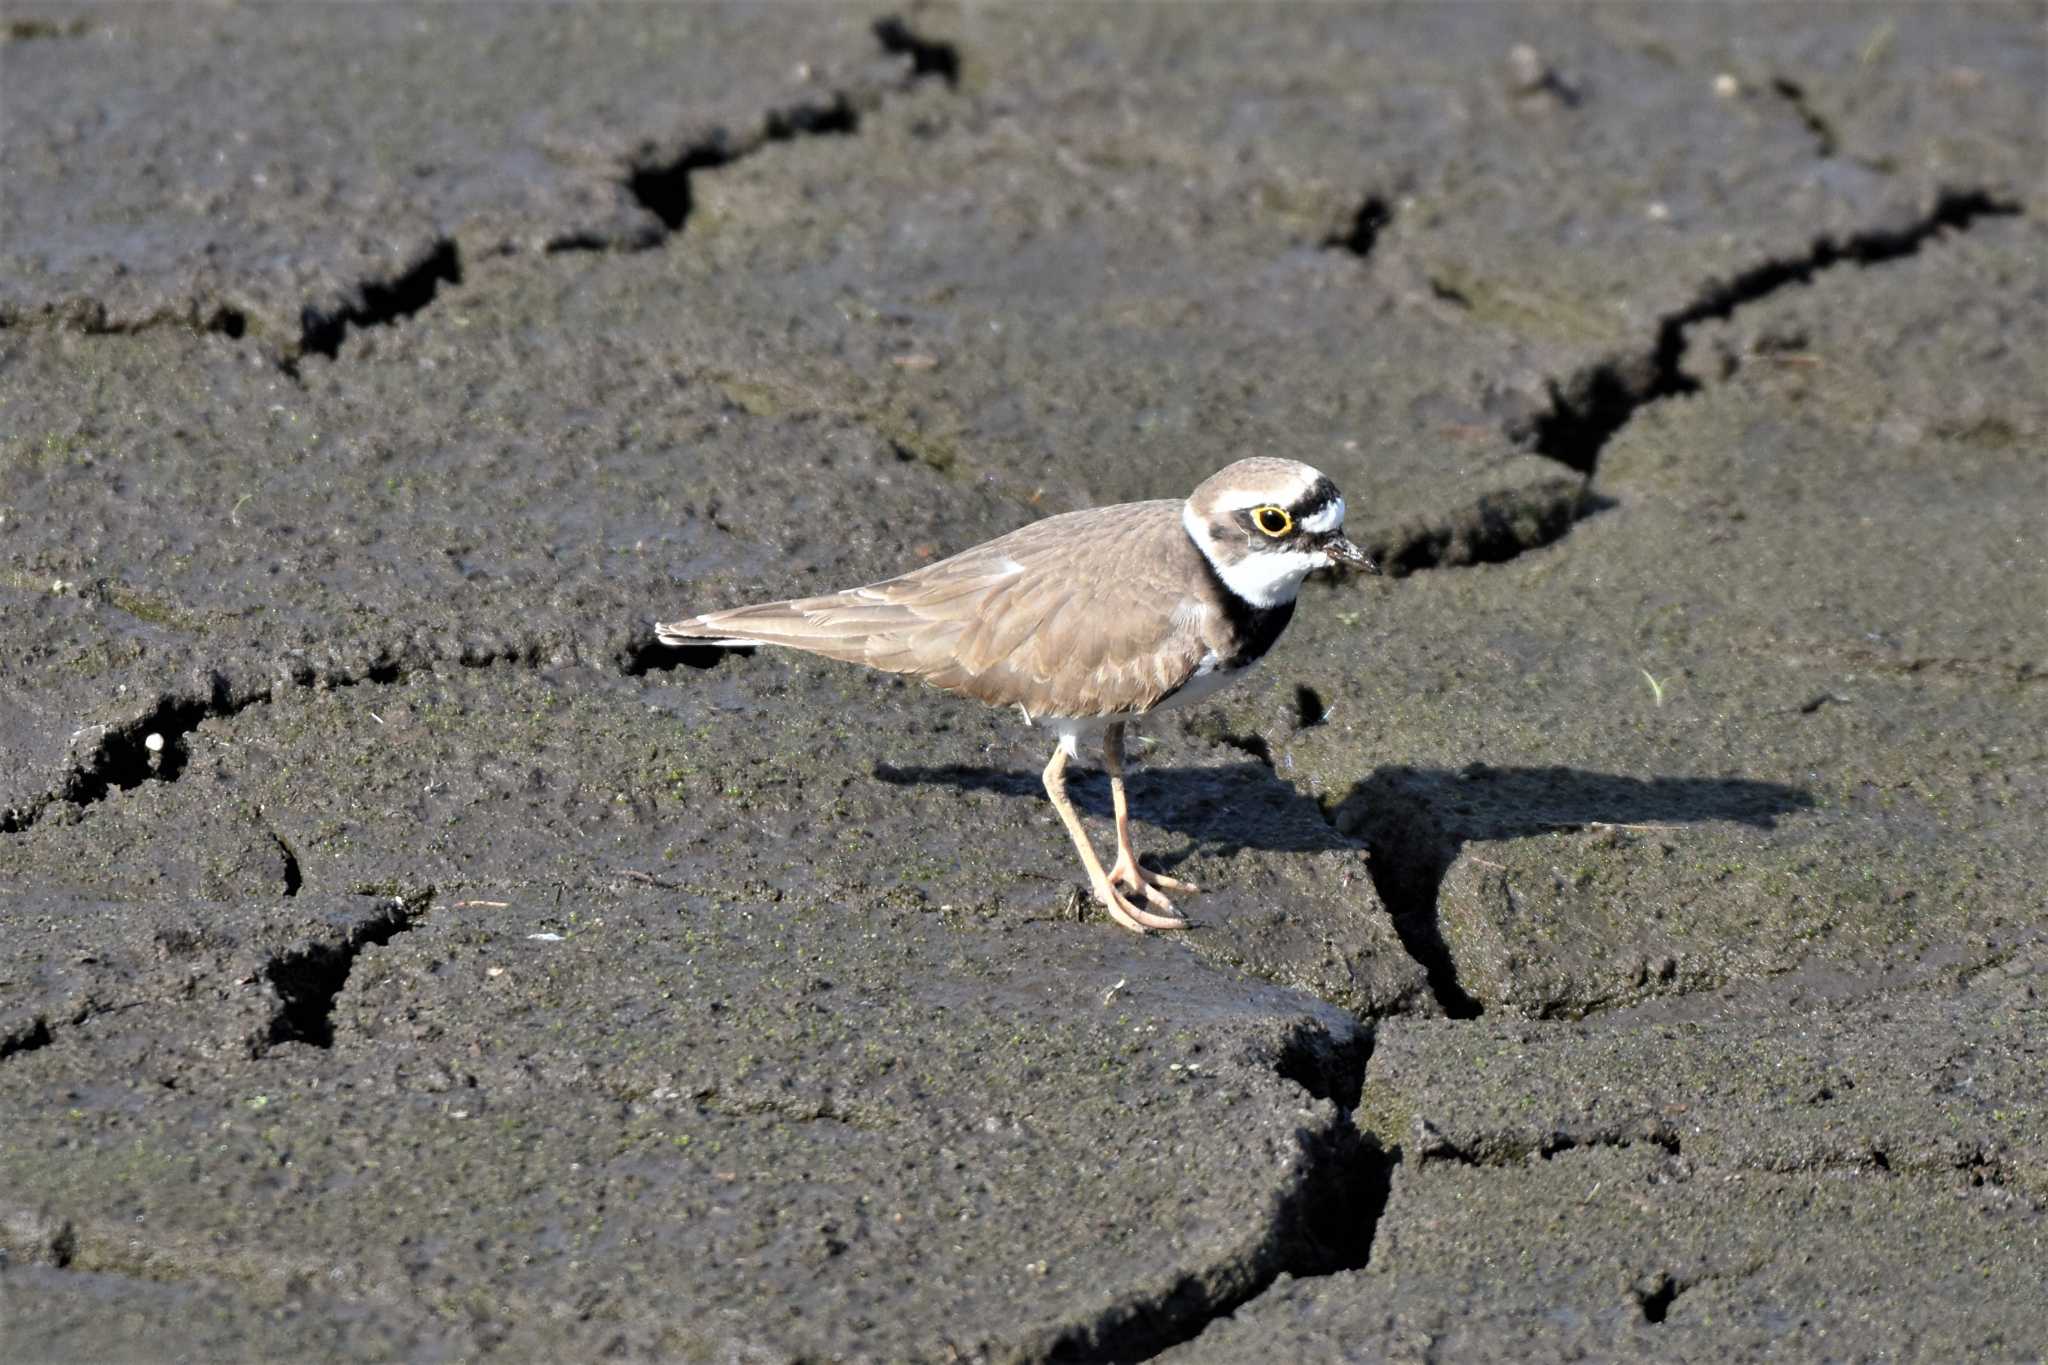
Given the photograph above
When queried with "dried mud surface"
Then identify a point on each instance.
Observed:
(1626, 933)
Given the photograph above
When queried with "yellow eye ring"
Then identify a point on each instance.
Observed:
(1272, 520)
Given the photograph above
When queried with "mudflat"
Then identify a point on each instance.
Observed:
(1625, 932)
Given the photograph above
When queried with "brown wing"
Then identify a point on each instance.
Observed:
(1085, 614)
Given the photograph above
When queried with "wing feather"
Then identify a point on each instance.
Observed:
(1086, 614)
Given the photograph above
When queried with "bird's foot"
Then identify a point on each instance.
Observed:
(1142, 877)
(1139, 882)
(1132, 916)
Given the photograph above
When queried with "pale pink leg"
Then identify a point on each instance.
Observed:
(1126, 871)
(1120, 908)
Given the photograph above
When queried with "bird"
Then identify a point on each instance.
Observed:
(1085, 621)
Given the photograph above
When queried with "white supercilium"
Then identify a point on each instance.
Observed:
(1325, 521)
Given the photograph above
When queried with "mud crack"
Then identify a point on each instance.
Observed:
(1323, 1225)
(1417, 822)
(662, 186)
(309, 980)
(664, 189)
(1512, 1154)
(1590, 406)
(154, 746)
(92, 317)
(665, 186)
(150, 747)
(1364, 233)
(377, 303)
(37, 30)
(646, 654)
(928, 56)
(1496, 528)
(1410, 856)
(32, 1237)
(37, 1034)
(1825, 143)
(294, 876)
(1410, 850)
(29, 1037)
(1656, 1295)
(1326, 1066)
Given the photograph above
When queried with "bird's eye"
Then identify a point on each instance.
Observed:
(1273, 520)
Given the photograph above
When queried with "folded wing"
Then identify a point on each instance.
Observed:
(1085, 614)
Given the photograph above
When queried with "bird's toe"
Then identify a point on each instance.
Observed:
(1133, 917)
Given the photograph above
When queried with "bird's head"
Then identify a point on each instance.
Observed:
(1265, 524)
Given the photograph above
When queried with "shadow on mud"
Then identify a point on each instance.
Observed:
(1414, 821)
(1218, 810)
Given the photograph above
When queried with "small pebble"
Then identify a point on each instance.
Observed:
(154, 743)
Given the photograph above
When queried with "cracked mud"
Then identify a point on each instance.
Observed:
(1626, 934)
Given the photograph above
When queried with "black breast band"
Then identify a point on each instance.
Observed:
(1254, 629)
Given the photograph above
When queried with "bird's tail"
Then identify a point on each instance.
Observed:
(702, 630)
(860, 625)
(835, 626)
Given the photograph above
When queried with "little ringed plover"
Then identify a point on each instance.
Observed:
(1084, 621)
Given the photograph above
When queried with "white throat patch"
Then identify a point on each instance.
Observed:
(1264, 578)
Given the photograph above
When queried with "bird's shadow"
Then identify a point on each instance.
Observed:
(1216, 809)
(1414, 821)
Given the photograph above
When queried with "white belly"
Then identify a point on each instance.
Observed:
(1202, 686)
(1072, 730)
